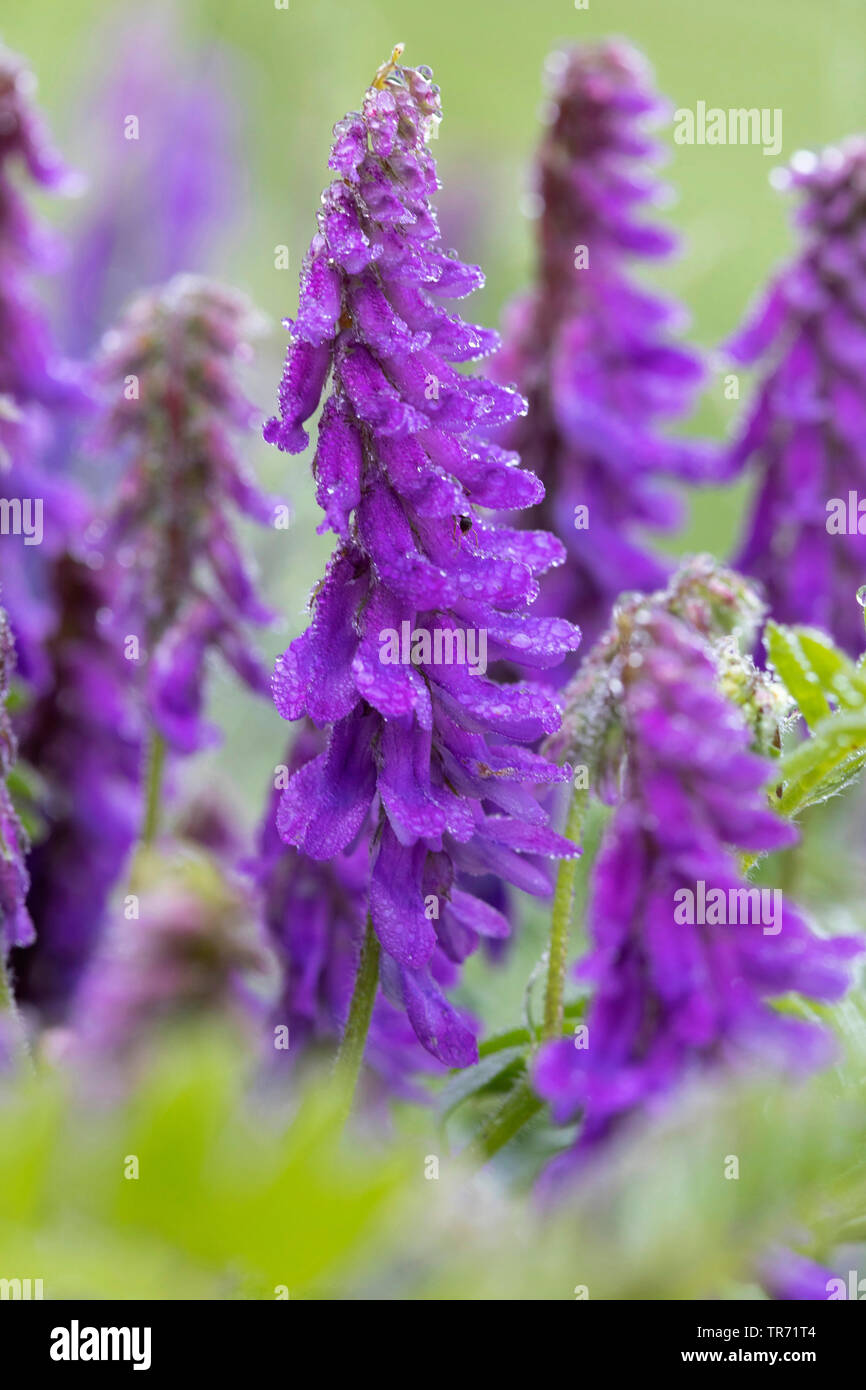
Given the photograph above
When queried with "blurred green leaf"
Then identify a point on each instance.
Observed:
(492, 1073)
(241, 1200)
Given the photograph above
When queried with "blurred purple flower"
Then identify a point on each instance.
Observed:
(31, 368)
(789, 1277)
(83, 734)
(165, 167)
(53, 514)
(35, 379)
(193, 953)
(673, 994)
(185, 588)
(804, 434)
(428, 750)
(590, 348)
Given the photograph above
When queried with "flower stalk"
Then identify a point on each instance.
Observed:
(560, 923)
(350, 1055)
(155, 770)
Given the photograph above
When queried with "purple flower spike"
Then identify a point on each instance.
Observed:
(686, 955)
(422, 754)
(16, 928)
(163, 132)
(34, 377)
(84, 735)
(804, 435)
(593, 351)
(185, 588)
(31, 369)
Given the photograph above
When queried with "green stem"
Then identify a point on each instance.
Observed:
(560, 922)
(155, 767)
(519, 1108)
(351, 1051)
(7, 1002)
(523, 1103)
(9, 1007)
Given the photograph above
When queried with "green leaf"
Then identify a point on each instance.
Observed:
(792, 665)
(502, 1060)
(824, 764)
(512, 1037)
(814, 672)
(837, 673)
(830, 692)
(490, 1073)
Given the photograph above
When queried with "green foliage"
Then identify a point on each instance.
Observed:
(830, 693)
(785, 652)
(233, 1200)
(229, 1200)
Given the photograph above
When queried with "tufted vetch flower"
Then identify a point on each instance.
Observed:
(803, 433)
(432, 761)
(174, 412)
(37, 384)
(84, 734)
(593, 351)
(676, 988)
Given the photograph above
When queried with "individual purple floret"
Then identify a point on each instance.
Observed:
(684, 959)
(16, 929)
(804, 434)
(174, 412)
(590, 348)
(315, 913)
(83, 733)
(423, 751)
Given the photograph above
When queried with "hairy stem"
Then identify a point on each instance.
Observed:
(155, 768)
(351, 1050)
(560, 922)
(523, 1103)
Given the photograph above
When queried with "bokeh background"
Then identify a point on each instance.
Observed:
(236, 100)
